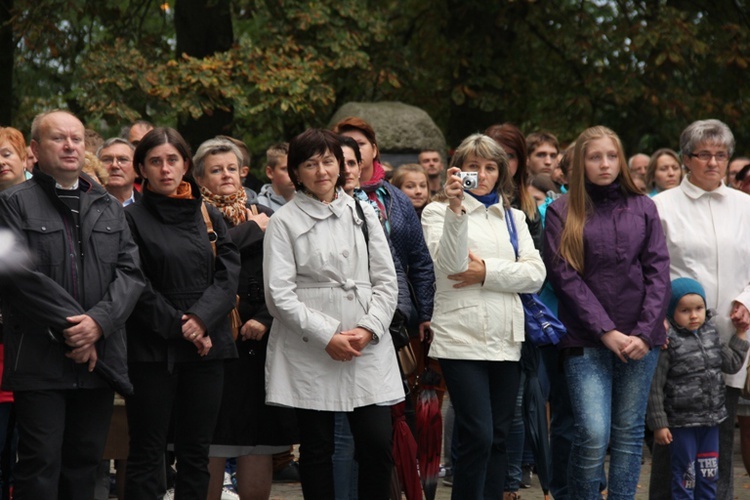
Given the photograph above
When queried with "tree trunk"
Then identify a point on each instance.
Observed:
(203, 27)
(7, 51)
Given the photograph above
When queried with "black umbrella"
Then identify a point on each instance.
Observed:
(535, 414)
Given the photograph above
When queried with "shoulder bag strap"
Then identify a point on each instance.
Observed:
(512, 230)
(209, 227)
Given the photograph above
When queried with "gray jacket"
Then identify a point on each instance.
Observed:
(688, 387)
(100, 278)
(268, 198)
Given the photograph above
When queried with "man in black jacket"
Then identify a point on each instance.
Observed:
(65, 313)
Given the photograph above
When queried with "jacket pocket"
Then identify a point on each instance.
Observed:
(105, 239)
(461, 320)
(46, 241)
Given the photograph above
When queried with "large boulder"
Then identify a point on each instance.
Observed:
(399, 127)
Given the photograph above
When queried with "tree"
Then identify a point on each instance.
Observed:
(645, 68)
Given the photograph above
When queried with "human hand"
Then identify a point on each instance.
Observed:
(261, 219)
(740, 316)
(663, 436)
(616, 341)
(192, 327)
(203, 344)
(340, 349)
(85, 354)
(253, 330)
(358, 337)
(425, 332)
(454, 189)
(475, 273)
(636, 349)
(84, 332)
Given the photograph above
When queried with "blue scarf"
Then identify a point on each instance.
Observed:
(488, 199)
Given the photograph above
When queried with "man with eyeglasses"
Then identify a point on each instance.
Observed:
(707, 228)
(116, 155)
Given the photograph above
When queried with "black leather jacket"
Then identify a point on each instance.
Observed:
(101, 278)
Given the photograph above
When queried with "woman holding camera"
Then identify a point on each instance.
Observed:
(478, 322)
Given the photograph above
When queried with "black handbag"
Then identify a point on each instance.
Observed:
(542, 326)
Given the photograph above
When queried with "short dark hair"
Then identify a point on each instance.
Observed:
(313, 142)
(157, 137)
(350, 143)
(536, 139)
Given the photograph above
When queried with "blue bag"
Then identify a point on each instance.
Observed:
(542, 326)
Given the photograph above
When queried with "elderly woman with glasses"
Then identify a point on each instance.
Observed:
(707, 226)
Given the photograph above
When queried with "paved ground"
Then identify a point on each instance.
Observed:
(741, 485)
(741, 482)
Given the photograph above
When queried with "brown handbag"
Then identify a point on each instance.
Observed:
(235, 323)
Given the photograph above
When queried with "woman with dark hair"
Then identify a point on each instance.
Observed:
(179, 333)
(478, 323)
(398, 218)
(331, 287)
(663, 171)
(607, 260)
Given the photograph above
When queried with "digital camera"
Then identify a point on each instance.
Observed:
(469, 180)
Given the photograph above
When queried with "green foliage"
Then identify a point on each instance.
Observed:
(645, 68)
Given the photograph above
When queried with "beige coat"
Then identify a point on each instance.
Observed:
(317, 284)
(482, 321)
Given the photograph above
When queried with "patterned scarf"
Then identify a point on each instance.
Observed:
(232, 206)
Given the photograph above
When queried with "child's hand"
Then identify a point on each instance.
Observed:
(662, 436)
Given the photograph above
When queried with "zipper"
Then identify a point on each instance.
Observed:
(18, 353)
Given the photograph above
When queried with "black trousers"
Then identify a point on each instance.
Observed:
(188, 398)
(372, 430)
(62, 434)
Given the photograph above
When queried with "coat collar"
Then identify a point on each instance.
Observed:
(471, 204)
(319, 210)
(694, 192)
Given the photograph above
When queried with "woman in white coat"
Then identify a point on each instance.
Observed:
(478, 322)
(332, 298)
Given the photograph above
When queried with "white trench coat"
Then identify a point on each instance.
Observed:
(317, 284)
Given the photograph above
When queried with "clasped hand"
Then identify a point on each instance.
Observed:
(625, 346)
(193, 330)
(82, 337)
(348, 344)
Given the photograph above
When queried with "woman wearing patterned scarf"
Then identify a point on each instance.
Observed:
(247, 428)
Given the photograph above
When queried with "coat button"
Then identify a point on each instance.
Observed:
(108, 228)
(350, 297)
(44, 228)
(345, 253)
(305, 339)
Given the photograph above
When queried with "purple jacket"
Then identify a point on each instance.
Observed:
(625, 285)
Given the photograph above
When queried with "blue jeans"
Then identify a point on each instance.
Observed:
(609, 400)
(483, 395)
(345, 467)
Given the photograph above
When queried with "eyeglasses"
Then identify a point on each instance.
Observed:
(121, 160)
(705, 156)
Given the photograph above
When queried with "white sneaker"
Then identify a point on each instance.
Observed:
(227, 494)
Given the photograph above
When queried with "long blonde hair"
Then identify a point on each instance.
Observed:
(579, 202)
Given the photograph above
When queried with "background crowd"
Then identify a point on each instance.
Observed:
(143, 249)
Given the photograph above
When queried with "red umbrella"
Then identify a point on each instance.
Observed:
(429, 428)
(405, 455)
